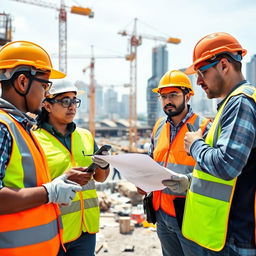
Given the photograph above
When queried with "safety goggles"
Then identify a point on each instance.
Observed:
(66, 102)
(170, 96)
(46, 84)
(202, 70)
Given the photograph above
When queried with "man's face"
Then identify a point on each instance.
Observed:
(37, 92)
(173, 101)
(211, 81)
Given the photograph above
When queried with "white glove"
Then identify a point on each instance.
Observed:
(61, 190)
(100, 162)
(178, 183)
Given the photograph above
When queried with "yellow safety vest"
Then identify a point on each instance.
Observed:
(209, 198)
(83, 214)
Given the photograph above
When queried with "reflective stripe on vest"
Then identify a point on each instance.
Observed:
(88, 202)
(28, 176)
(209, 198)
(22, 231)
(83, 213)
(172, 156)
(28, 236)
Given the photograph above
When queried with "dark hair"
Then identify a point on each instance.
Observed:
(42, 117)
(236, 64)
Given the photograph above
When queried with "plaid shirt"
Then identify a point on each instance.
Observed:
(6, 144)
(236, 140)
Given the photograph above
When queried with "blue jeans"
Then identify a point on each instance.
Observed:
(172, 241)
(230, 249)
(82, 246)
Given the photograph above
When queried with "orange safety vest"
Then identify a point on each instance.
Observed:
(36, 231)
(172, 156)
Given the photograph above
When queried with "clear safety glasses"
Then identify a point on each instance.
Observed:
(202, 71)
(46, 84)
(170, 96)
(67, 102)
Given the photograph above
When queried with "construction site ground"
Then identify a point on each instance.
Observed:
(140, 242)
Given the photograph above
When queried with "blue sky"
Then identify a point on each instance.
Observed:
(186, 19)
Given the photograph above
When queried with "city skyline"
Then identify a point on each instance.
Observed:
(190, 20)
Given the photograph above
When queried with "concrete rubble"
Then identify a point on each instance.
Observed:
(123, 228)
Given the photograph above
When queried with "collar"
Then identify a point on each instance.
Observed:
(18, 115)
(234, 88)
(70, 129)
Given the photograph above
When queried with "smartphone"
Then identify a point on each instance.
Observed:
(103, 148)
(190, 127)
(93, 166)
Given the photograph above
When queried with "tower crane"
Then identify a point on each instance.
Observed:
(92, 83)
(135, 40)
(62, 24)
(92, 87)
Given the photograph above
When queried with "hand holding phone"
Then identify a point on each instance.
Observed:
(102, 149)
(93, 166)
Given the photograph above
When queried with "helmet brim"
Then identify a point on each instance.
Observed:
(190, 70)
(56, 74)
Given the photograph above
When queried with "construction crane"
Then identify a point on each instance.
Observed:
(62, 24)
(135, 40)
(5, 28)
(92, 87)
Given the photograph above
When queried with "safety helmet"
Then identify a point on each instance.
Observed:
(28, 55)
(213, 44)
(62, 86)
(174, 78)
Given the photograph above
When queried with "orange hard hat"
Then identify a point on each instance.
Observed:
(174, 78)
(24, 53)
(212, 45)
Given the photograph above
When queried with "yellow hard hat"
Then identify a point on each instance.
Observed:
(174, 78)
(24, 53)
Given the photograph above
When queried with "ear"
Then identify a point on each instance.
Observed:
(21, 83)
(48, 106)
(225, 65)
(187, 97)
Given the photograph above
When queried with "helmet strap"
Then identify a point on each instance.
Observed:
(27, 91)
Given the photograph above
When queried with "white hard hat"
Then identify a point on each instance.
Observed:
(62, 86)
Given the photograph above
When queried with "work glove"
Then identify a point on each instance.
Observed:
(178, 183)
(100, 162)
(61, 190)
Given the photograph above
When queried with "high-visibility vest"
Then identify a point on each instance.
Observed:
(209, 198)
(36, 231)
(173, 156)
(83, 213)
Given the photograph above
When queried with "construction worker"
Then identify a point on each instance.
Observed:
(67, 146)
(29, 214)
(220, 207)
(167, 148)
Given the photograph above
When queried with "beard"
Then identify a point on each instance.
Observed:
(177, 109)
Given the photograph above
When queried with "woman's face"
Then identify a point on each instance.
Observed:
(63, 108)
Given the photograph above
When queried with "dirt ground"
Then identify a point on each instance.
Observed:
(140, 242)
